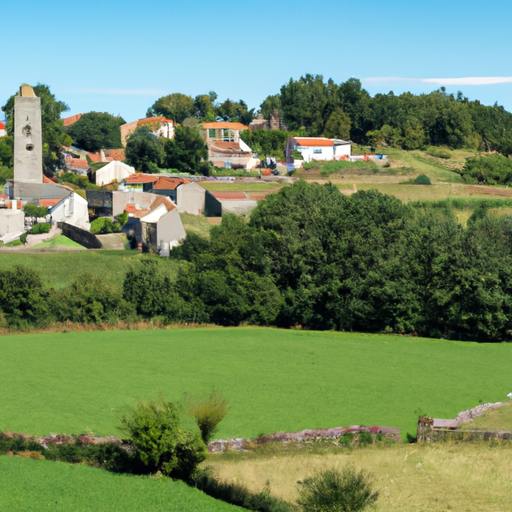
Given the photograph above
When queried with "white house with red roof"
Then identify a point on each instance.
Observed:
(2, 129)
(225, 146)
(318, 148)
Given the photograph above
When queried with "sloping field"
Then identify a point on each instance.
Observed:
(274, 379)
(60, 269)
(43, 485)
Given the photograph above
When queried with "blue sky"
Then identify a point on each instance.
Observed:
(119, 57)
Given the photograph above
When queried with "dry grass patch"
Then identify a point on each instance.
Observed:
(495, 419)
(460, 477)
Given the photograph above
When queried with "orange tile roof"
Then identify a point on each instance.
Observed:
(2, 126)
(68, 121)
(116, 154)
(77, 163)
(162, 200)
(95, 157)
(313, 142)
(141, 178)
(153, 120)
(49, 202)
(48, 180)
(4, 197)
(166, 183)
(225, 125)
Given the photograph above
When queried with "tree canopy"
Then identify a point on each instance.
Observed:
(175, 106)
(145, 150)
(96, 130)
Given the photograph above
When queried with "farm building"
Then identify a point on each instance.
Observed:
(318, 148)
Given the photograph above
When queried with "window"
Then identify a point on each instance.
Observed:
(317, 151)
(211, 133)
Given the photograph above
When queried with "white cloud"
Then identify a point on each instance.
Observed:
(471, 80)
(122, 92)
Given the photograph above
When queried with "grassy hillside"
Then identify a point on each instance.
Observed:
(42, 485)
(274, 379)
(60, 269)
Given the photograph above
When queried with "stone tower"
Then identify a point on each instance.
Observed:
(28, 144)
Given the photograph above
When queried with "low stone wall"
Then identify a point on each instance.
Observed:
(62, 439)
(433, 429)
(239, 444)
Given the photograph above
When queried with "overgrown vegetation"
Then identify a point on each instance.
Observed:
(331, 490)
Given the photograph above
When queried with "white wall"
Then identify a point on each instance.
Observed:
(316, 153)
(114, 171)
(73, 209)
(11, 221)
(342, 150)
(190, 198)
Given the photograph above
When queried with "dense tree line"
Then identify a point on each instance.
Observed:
(408, 121)
(308, 256)
(96, 130)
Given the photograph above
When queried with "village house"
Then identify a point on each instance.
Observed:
(318, 148)
(160, 126)
(2, 129)
(225, 146)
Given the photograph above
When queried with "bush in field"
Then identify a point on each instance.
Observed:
(422, 179)
(39, 229)
(332, 490)
(165, 438)
(23, 298)
(490, 170)
(208, 411)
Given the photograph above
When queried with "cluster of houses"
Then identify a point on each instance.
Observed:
(152, 202)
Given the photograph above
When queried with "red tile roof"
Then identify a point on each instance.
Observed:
(225, 125)
(166, 183)
(48, 180)
(4, 197)
(2, 126)
(116, 154)
(77, 163)
(313, 142)
(228, 195)
(95, 157)
(141, 178)
(68, 121)
(49, 202)
(162, 199)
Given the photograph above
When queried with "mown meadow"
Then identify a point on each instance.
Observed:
(274, 379)
(42, 485)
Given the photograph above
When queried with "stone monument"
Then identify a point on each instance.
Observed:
(28, 145)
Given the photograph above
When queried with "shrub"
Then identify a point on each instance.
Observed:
(31, 210)
(422, 179)
(208, 411)
(103, 225)
(337, 491)
(39, 229)
(165, 439)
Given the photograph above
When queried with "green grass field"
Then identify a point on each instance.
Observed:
(274, 379)
(59, 241)
(43, 485)
(60, 269)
